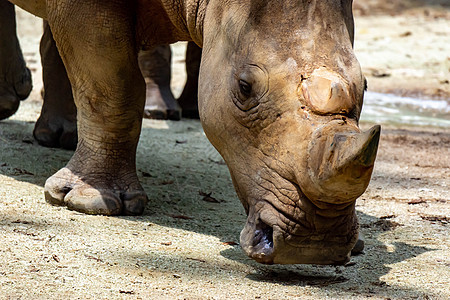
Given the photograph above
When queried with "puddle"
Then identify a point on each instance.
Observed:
(391, 109)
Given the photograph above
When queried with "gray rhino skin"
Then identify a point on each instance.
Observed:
(280, 94)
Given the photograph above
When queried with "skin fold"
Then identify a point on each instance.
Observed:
(280, 94)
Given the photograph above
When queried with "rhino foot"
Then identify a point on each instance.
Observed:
(13, 90)
(161, 104)
(9, 104)
(155, 67)
(15, 77)
(55, 130)
(57, 124)
(92, 196)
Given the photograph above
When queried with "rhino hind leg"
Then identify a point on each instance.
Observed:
(189, 97)
(57, 124)
(109, 93)
(15, 77)
(155, 66)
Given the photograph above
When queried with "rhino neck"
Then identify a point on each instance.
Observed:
(185, 17)
(194, 11)
(163, 22)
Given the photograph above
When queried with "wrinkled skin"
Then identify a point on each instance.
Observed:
(56, 126)
(15, 78)
(279, 97)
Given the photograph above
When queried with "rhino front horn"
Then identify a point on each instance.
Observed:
(340, 164)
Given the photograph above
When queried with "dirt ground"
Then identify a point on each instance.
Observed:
(404, 46)
(185, 247)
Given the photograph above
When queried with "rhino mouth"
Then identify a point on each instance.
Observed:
(265, 241)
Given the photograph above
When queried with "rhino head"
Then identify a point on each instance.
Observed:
(280, 98)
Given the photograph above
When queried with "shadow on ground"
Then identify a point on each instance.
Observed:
(177, 170)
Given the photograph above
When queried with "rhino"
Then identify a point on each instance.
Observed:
(280, 94)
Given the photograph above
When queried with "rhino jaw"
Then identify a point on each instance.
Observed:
(263, 240)
(268, 245)
(340, 163)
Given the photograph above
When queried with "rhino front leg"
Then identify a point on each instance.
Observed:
(99, 51)
(15, 78)
(57, 124)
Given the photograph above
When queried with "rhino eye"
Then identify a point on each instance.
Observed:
(245, 88)
(249, 84)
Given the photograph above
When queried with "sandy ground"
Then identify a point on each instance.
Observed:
(404, 46)
(184, 247)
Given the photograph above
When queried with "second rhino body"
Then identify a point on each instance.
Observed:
(280, 96)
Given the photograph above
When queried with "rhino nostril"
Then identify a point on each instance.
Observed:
(257, 239)
(263, 235)
(262, 243)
